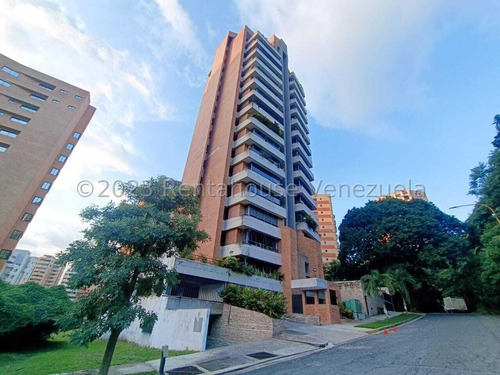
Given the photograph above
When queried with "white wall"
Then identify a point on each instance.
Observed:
(179, 329)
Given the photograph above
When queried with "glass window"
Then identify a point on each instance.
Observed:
(1, 113)
(71, 107)
(38, 97)
(46, 185)
(9, 132)
(70, 146)
(4, 83)
(54, 171)
(62, 158)
(63, 91)
(19, 120)
(333, 297)
(37, 200)
(3, 147)
(13, 73)
(78, 97)
(27, 217)
(11, 100)
(46, 86)
(77, 135)
(29, 108)
(309, 297)
(321, 297)
(16, 234)
(55, 101)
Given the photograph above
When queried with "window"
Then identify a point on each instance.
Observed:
(46, 86)
(4, 83)
(46, 185)
(63, 91)
(309, 297)
(70, 146)
(333, 297)
(306, 267)
(19, 120)
(55, 101)
(1, 113)
(321, 297)
(11, 100)
(9, 132)
(8, 70)
(77, 135)
(71, 107)
(38, 97)
(37, 200)
(3, 147)
(16, 234)
(54, 171)
(62, 158)
(78, 97)
(27, 217)
(29, 108)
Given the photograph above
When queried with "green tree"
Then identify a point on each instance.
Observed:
(331, 270)
(401, 282)
(373, 283)
(415, 235)
(29, 313)
(119, 259)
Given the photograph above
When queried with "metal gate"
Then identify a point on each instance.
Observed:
(297, 304)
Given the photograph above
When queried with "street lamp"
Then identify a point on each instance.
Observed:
(479, 204)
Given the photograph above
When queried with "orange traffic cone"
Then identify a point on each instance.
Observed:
(394, 329)
(385, 331)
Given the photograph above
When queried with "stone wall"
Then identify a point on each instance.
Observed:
(239, 325)
(305, 319)
(354, 290)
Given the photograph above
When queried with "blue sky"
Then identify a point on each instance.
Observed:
(395, 91)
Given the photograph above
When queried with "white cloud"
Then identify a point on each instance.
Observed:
(358, 61)
(45, 37)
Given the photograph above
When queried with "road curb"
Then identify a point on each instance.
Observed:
(381, 329)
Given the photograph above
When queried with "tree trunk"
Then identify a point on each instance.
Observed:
(108, 354)
(404, 306)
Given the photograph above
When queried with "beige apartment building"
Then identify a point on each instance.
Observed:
(41, 121)
(46, 271)
(327, 228)
(405, 195)
(250, 159)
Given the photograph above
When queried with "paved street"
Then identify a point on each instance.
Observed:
(437, 344)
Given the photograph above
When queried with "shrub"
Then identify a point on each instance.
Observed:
(345, 312)
(235, 265)
(263, 301)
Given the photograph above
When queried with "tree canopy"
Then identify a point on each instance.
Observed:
(414, 236)
(29, 313)
(119, 259)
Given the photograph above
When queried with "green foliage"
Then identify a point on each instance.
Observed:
(414, 236)
(271, 125)
(236, 265)
(29, 313)
(260, 300)
(345, 312)
(331, 270)
(118, 261)
(389, 322)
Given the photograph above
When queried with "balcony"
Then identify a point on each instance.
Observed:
(250, 222)
(308, 231)
(249, 176)
(299, 133)
(259, 39)
(253, 108)
(305, 195)
(259, 98)
(299, 105)
(255, 71)
(259, 84)
(252, 122)
(302, 207)
(251, 251)
(309, 284)
(257, 52)
(257, 201)
(295, 111)
(300, 160)
(270, 74)
(297, 122)
(254, 138)
(253, 156)
(296, 146)
(304, 180)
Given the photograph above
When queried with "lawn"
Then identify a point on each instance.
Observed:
(391, 321)
(58, 355)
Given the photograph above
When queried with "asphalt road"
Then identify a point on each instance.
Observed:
(437, 344)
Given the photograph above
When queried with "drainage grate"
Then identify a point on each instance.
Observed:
(188, 370)
(262, 355)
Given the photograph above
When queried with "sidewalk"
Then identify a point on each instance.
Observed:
(297, 339)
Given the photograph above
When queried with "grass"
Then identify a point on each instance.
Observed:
(391, 321)
(59, 355)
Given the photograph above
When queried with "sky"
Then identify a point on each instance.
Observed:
(397, 92)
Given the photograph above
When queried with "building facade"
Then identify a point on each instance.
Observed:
(46, 271)
(16, 267)
(250, 161)
(41, 121)
(327, 228)
(405, 195)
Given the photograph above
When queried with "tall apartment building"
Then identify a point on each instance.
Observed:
(16, 266)
(250, 160)
(41, 121)
(46, 271)
(327, 228)
(405, 195)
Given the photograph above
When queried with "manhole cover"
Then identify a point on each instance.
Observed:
(219, 364)
(188, 370)
(262, 355)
